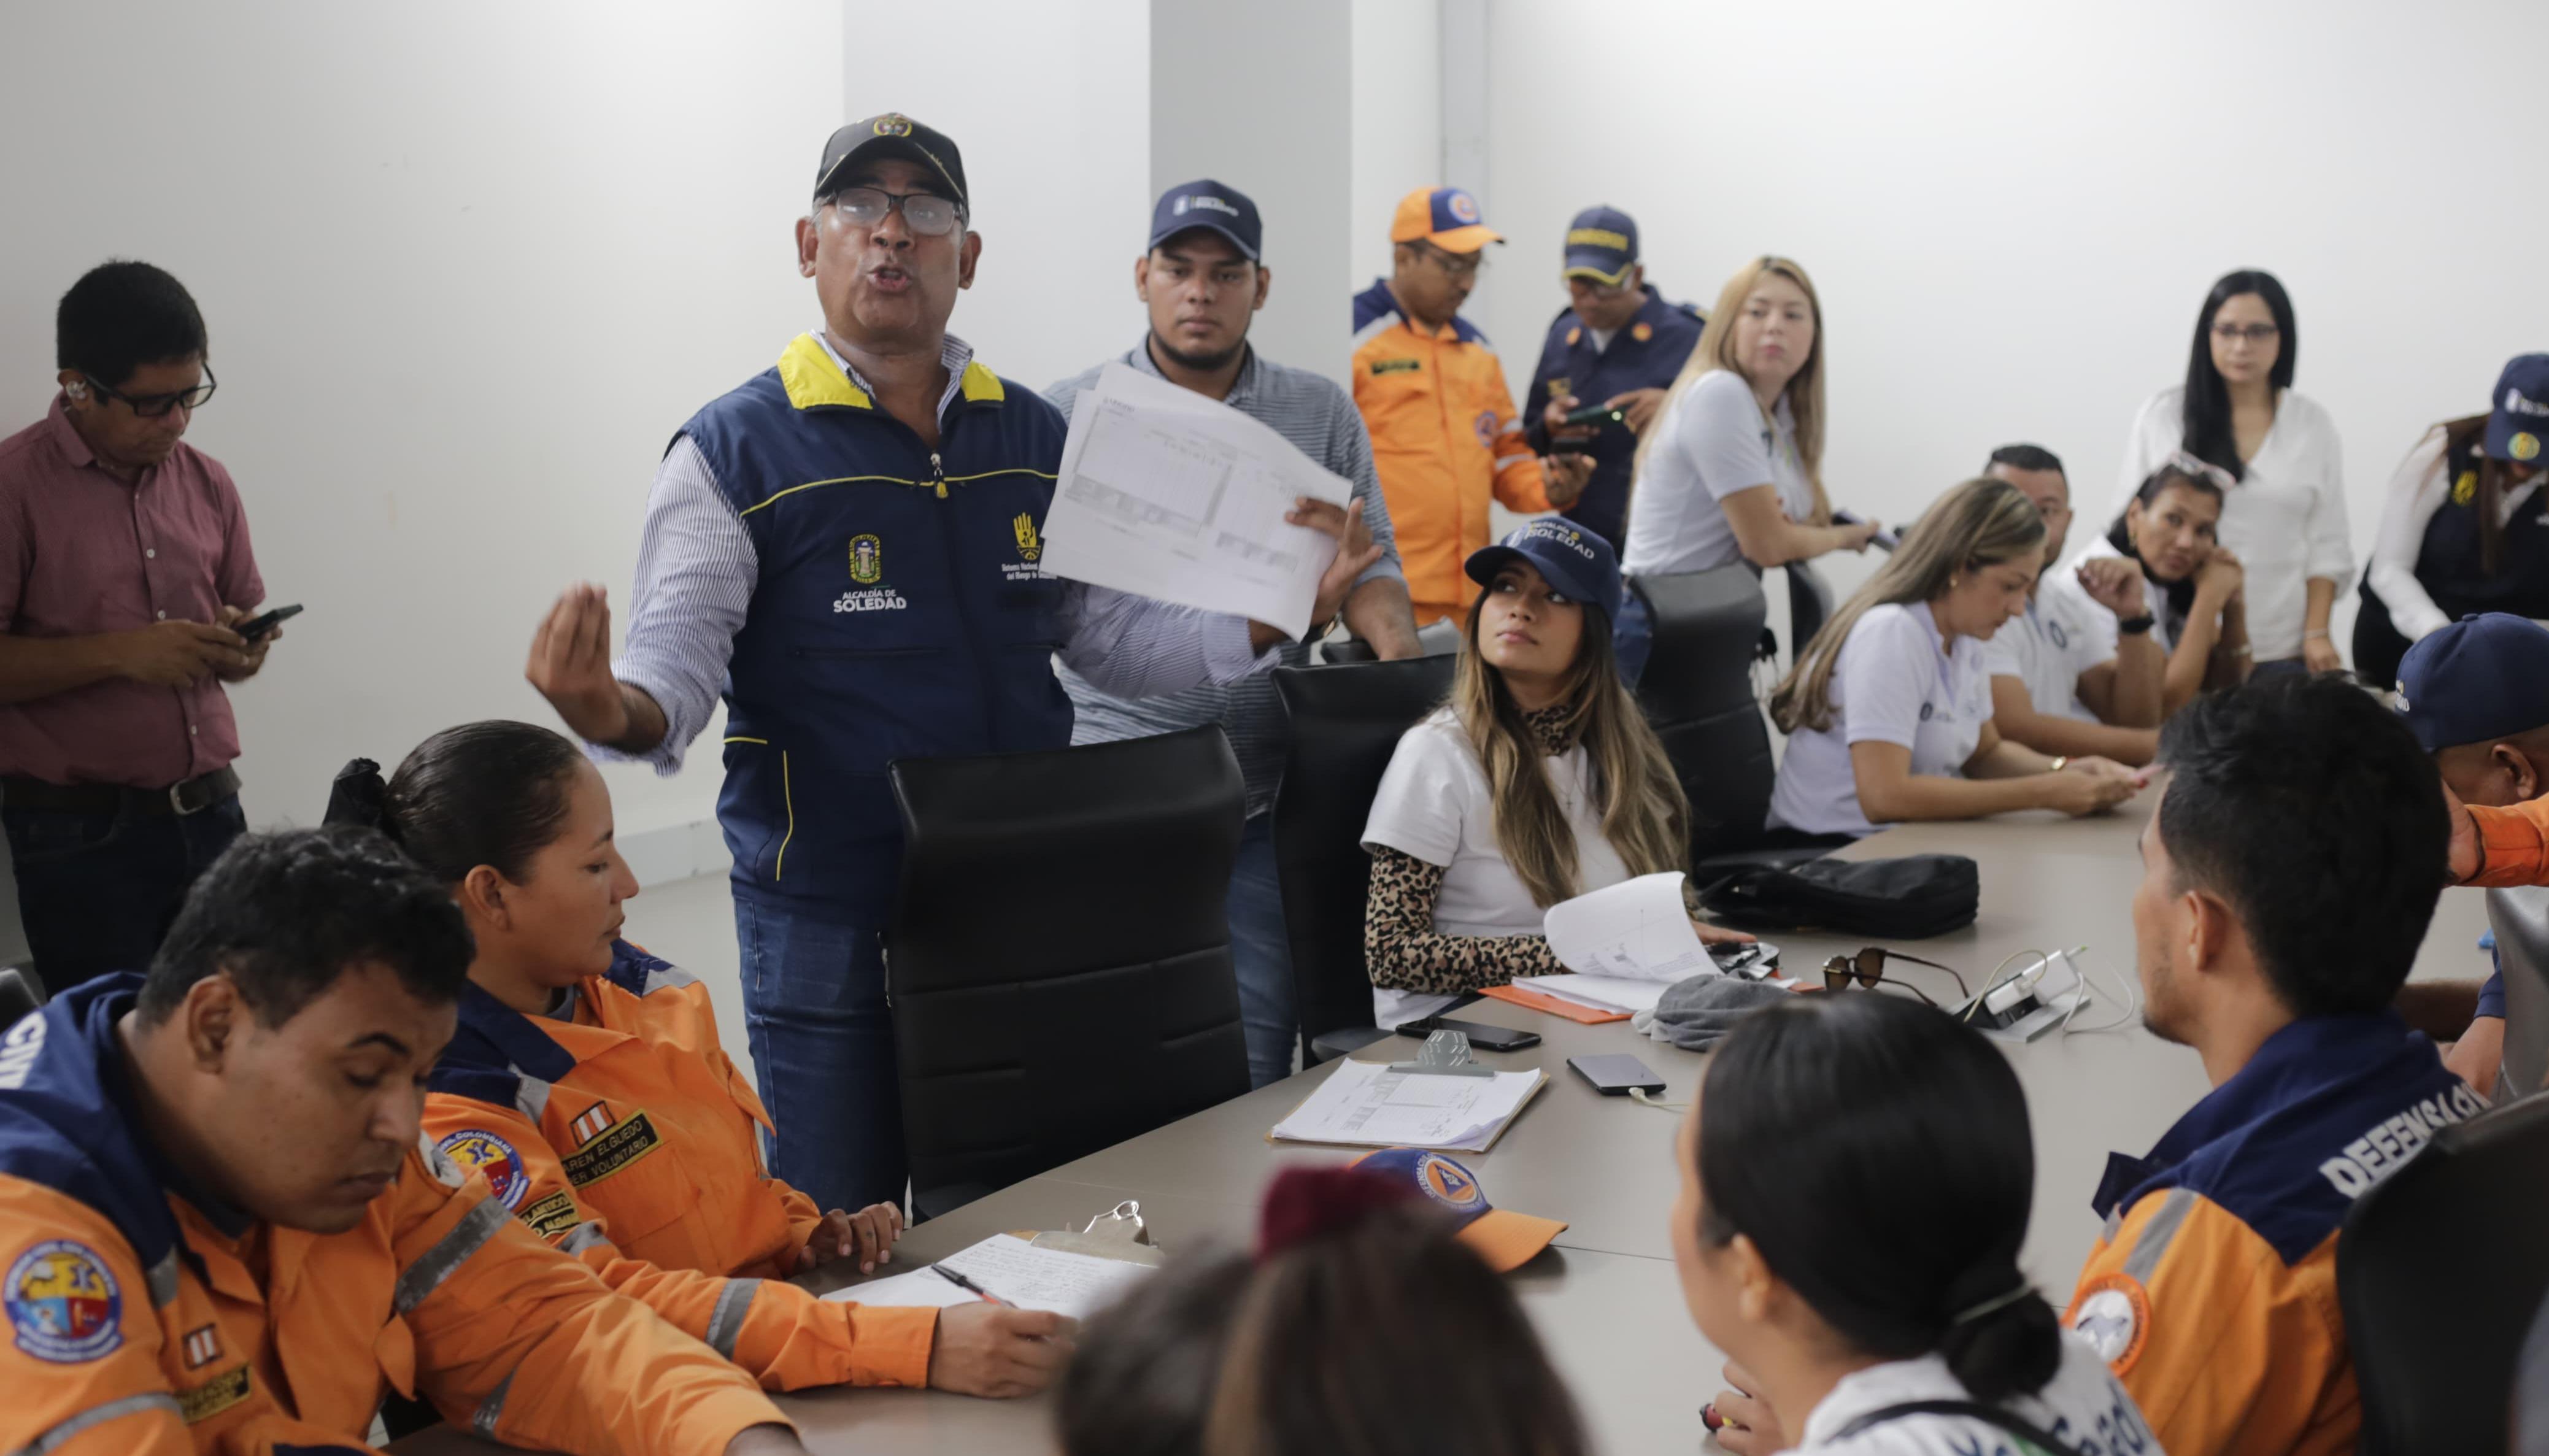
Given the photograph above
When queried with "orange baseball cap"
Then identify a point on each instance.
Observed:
(1445, 216)
(1507, 1240)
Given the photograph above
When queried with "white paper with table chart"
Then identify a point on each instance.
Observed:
(1168, 495)
(1638, 930)
(1363, 1104)
(1023, 1274)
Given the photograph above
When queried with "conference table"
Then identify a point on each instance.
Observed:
(1604, 1296)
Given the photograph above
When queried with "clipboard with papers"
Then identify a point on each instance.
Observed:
(1367, 1104)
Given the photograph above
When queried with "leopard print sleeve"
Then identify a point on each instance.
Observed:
(1404, 953)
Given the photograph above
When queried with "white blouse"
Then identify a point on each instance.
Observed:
(2286, 519)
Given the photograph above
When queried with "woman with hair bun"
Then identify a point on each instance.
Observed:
(1856, 1174)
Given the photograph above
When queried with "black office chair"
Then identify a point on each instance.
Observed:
(2521, 920)
(2439, 1271)
(1810, 606)
(1697, 690)
(1346, 723)
(1058, 964)
(20, 992)
(1440, 639)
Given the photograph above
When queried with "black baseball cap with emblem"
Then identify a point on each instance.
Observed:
(892, 134)
(1211, 205)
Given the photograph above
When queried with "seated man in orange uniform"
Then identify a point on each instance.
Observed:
(221, 1231)
(587, 1082)
(2289, 876)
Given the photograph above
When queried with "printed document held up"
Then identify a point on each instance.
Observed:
(1166, 494)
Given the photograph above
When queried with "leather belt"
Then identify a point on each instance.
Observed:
(192, 796)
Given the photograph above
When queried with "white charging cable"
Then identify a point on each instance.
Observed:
(2132, 999)
(1657, 1103)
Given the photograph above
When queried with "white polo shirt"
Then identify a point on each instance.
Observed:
(1435, 804)
(2048, 648)
(1896, 681)
(1711, 443)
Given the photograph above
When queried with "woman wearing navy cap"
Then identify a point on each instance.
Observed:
(2463, 531)
(2285, 514)
(1538, 781)
(1888, 711)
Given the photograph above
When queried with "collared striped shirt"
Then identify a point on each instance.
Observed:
(697, 570)
(1318, 419)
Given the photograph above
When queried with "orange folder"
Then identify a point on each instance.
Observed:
(1521, 995)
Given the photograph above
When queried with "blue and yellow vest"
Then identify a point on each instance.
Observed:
(899, 613)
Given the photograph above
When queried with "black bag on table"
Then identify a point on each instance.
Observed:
(1907, 899)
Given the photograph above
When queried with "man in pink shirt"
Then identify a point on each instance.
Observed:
(124, 569)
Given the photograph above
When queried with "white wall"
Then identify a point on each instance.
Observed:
(466, 267)
(1280, 129)
(2013, 209)
(1398, 126)
(1050, 104)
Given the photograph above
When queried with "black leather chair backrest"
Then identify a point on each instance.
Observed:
(1810, 606)
(18, 994)
(2439, 1271)
(1346, 723)
(1697, 690)
(1058, 964)
(2521, 919)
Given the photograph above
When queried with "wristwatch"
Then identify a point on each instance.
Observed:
(2134, 626)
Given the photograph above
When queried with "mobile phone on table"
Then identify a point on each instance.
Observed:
(1615, 1074)
(1480, 1034)
(1754, 959)
(1601, 414)
(1882, 540)
(258, 626)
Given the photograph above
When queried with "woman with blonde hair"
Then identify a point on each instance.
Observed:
(1888, 711)
(1540, 780)
(1734, 467)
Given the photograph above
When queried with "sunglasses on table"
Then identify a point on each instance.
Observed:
(1867, 968)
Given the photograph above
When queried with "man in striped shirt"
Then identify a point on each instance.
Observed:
(1203, 281)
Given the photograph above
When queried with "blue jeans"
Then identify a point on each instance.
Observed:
(1262, 953)
(96, 891)
(822, 1050)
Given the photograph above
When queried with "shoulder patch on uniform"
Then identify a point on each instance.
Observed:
(62, 1303)
(2113, 1313)
(624, 1143)
(1397, 366)
(551, 1216)
(215, 1395)
(478, 1151)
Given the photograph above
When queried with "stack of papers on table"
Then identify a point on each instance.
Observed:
(1601, 992)
(1029, 1277)
(1363, 1104)
(1637, 930)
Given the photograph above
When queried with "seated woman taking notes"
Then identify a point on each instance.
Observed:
(587, 1083)
(1538, 781)
(1888, 710)
(1856, 1174)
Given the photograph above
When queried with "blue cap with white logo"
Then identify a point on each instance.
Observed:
(2520, 418)
(2476, 681)
(1601, 244)
(1578, 564)
(1208, 204)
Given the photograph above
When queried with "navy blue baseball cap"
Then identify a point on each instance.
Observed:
(1208, 204)
(1579, 564)
(1601, 244)
(2478, 680)
(2520, 418)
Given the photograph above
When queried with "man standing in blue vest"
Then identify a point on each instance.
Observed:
(1618, 344)
(847, 546)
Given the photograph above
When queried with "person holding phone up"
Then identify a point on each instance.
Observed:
(126, 571)
(1616, 347)
(1538, 781)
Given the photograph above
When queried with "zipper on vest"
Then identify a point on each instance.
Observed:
(938, 475)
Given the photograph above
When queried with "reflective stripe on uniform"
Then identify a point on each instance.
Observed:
(530, 1095)
(662, 977)
(581, 1238)
(466, 1237)
(162, 1279)
(98, 1415)
(2158, 1235)
(492, 1409)
(725, 1322)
